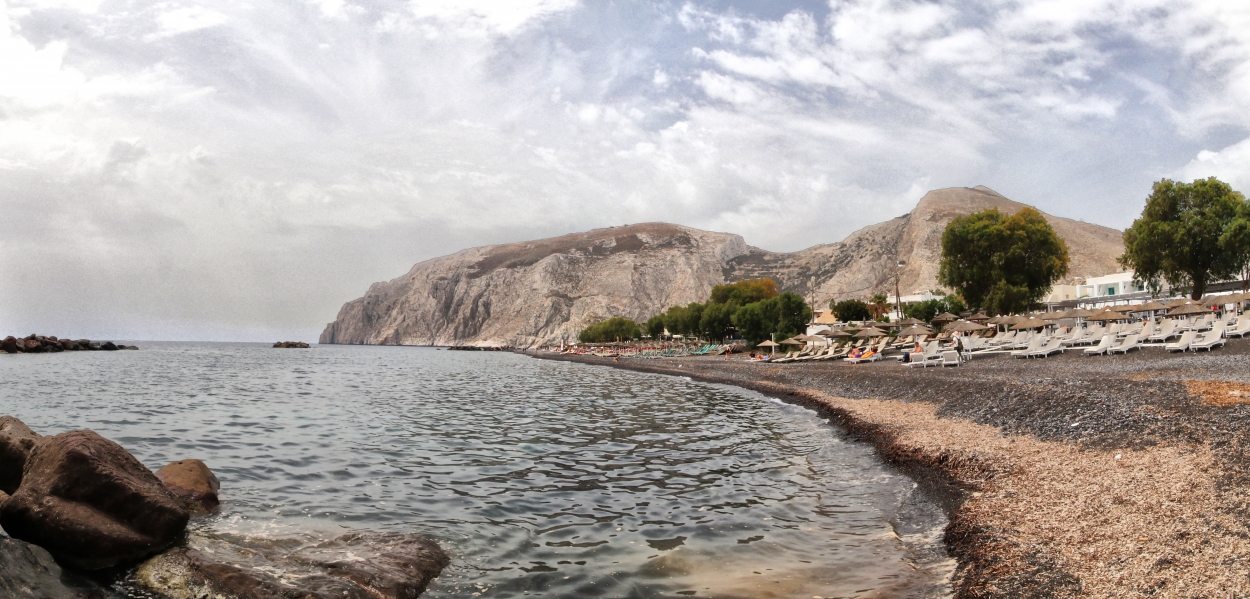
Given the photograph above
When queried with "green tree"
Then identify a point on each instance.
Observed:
(684, 320)
(848, 310)
(877, 307)
(930, 308)
(744, 292)
(1002, 263)
(717, 320)
(1189, 235)
(612, 329)
(793, 314)
(655, 326)
(756, 321)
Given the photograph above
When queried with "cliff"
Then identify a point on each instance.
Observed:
(540, 291)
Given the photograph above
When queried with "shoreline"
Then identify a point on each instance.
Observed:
(1069, 476)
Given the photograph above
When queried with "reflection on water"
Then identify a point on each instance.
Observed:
(540, 478)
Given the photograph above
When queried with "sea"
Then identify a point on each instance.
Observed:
(538, 477)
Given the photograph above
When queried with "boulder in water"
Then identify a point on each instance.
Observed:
(363, 565)
(9, 345)
(91, 504)
(29, 572)
(193, 483)
(16, 443)
(108, 346)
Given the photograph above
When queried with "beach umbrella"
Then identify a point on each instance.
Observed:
(1188, 308)
(870, 332)
(908, 322)
(824, 332)
(1179, 302)
(1124, 308)
(915, 329)
(978, 316)
(1149, 306)
(792, 341)
(770, 345)
(837, 333)
(1080, 313)
(945, 317)
(965, 326)
(1002, 319)
(1052, 316)
(1029, 323)
(1218, 300)
(1107, 315)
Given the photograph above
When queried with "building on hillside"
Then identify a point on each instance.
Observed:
(1062, 293)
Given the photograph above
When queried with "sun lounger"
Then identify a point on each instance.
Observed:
(1100, 349)
(1166, 331)
(1243, 327)
(1210, 339)
(1130, 343)
(1034, 344)
(1181, 344)
(950, 357)
(932, 353)
(1052, 346)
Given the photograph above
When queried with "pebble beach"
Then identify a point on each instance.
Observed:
(1121, 476)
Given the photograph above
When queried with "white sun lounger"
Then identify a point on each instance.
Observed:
(1166, 331)
(1181, 344)
(1051, 347)
(950, 357)
(1243, 327)
(1131, 342)
(932, 353)
(1101, 348)
(1034, 344)
(1210, 339)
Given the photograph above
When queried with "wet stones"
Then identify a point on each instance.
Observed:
(90, 503)
(16, 443)
(193, 484)
(291, 345)
(365, 565)
(29, 572)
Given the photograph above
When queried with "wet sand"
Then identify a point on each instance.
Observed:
(1070, 476)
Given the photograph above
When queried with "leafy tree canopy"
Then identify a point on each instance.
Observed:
(1189, 235)
(928, 309)
(1002, 263)
(793, 314)
(744, 292)
(655, 326)
(848, 310)
(612, 329)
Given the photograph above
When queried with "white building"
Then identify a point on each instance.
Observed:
(1118, 283)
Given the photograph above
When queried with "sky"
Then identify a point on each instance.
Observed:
(238, 170)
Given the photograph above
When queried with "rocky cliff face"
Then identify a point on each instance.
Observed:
(543, 291)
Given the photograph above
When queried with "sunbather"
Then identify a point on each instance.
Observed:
(856, 353)
(916, 349)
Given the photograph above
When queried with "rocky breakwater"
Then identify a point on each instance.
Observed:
(78, 508)
(39, 344)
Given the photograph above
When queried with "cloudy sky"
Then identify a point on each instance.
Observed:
(237, 170)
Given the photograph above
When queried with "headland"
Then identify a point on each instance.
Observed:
(1066, 476)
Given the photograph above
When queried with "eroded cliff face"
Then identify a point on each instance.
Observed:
(541, 291)
(544, 291)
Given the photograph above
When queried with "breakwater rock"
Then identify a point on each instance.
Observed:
(39, 344)
(291, 345)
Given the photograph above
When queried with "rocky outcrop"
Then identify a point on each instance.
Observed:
(38, 344)
(291, 345)
(29, 572)
(90, 503)
(363, 565)
(193, 484)
(523, 294)
(16, 443)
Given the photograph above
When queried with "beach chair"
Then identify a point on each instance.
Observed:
(1167, 330)
(1034, 344)
(1242, 327)
(1052, 346)
(1205, 322)
(1130, 343)
(1131, 329)
(1210, 339)
(1181, 344)
(1078, 337)
(1101, 348)
(950, 357)
(932, 353)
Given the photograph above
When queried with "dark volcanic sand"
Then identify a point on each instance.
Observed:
(1065, 476)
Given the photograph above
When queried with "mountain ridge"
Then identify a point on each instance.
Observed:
(541, 291)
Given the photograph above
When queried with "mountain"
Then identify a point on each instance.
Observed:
(541, 291)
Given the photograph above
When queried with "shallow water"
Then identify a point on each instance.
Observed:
(538, 477)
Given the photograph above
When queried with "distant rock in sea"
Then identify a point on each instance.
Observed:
(529, 293)
(292, 345)
(38, 344)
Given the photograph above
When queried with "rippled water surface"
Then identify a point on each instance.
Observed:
(539, 477)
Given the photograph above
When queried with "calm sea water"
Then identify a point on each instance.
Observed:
(538, 477)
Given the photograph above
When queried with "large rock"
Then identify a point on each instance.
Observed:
(365, 565)
(192, 482)
(29, 572)
(16, 443)
(9, 345)
(91, 504)
(542, 291)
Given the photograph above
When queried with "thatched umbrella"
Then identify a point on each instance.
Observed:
(772, 347)
(1124, 308)
(945, 317)
(910, 322)
(1179, 302)
(837, 333)
(978, 316)
(1219, 300)
(870, 332)
(1029, 323)
(1188, 308)
(1053, 316)
(915, 329)
(1149, 306)
(1080, 313)
(1108, 315)
(965, 326)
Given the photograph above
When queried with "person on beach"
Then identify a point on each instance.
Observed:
(915, 349)
(857, 353)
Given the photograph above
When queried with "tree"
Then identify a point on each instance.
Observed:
(877, 306)
(744, 292)
(1002, 263)
(612, 329)
(793, 314)
(848, 310)
(655, 326)
(1189, 235)
(755, 321)
(930, 308)
(717, 320)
